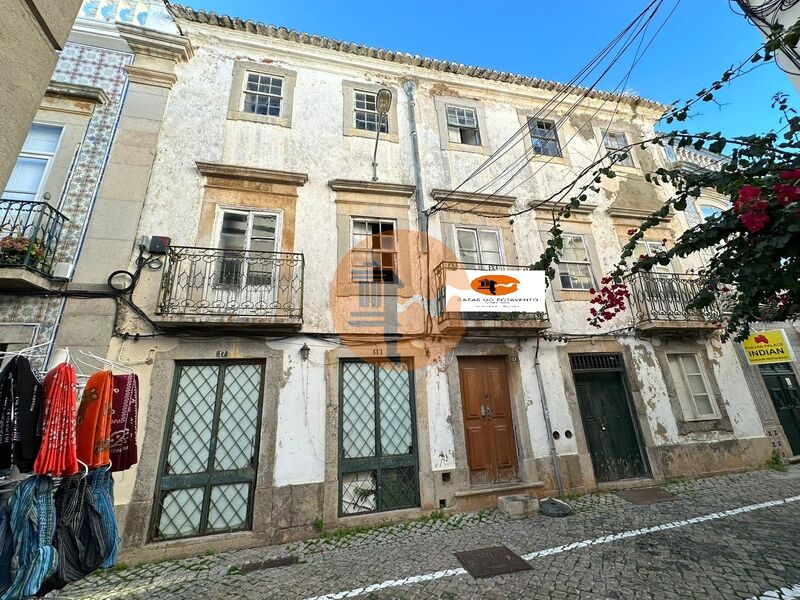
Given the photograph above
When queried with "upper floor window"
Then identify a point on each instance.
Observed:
(462, 126)
(478, 246)
(544, 138)
(575, 267)
(648, 248)
(691, 387)
(367, 117)
(251, 238)
(615, 140)
(263, 94)
(374, 251)
(29, 173)
(708, 211)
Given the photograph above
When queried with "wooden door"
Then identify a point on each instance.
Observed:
(488, 425)
(608, 423)
(785, 393)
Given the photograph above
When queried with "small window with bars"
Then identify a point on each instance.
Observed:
(367, 117)
(263, 94)
(374, 251)
(616, 140)
(575, 267)
(544, 138)
(462, 126)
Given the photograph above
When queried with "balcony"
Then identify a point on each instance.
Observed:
(30, 233)
(211, 287)
(658, 302)
(478, 323)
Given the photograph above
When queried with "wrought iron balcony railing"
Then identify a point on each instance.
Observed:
(232, 283)
(664, 296)
(440, 278)
(29, 235)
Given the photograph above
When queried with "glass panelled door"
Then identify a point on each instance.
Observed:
(208, 466)
(377, 442)
(248, 274)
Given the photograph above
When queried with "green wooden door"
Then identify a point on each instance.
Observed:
(608, 423)
(785, 392)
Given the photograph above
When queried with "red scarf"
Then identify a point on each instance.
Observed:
(57, 455)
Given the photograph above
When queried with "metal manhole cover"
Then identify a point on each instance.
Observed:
(651, 495)
(490, 562)
(268, 564)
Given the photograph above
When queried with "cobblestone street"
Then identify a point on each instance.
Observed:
(744, 546)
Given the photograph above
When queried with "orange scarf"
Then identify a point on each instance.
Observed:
(94, 420)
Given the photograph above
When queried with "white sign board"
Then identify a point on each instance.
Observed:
(497, 291)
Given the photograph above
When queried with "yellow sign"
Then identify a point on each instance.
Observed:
(766, 347)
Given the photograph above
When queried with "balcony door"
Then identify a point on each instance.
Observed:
(248, 271)
(479, 248)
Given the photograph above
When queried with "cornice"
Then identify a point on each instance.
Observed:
(463, 197)
(76, 91)
(634, 213)
(151, 76)
(251, 174)
(154, 43)
(372, 187)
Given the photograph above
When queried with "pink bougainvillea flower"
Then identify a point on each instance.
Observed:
(754, 221)
(792, 175)
(631, 231)
(786, 194)
(749, 192)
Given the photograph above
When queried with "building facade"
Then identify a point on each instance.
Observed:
(298, 364)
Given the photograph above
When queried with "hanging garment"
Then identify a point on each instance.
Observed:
(32, 527)
(81, 535)
(20, 414)
(57, 456)
(124, 422)
(94, 420)
(6, 549)
(102, 485)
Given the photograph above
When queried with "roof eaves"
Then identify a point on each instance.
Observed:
(189, 14)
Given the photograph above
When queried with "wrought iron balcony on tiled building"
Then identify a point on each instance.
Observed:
(231, 288)
(30, 233)
(483, 322)
(658, 302)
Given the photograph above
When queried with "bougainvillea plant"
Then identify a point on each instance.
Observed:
(751, 251)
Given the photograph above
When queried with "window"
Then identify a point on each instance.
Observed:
(30, 170)
(210, 459)
(251, 239)
(377, 441)
(366, 112)
(613, 141)
(462, 126)
(544, 138)
(478, 246)
(708, 211)
(374, 251)
(646, 248)
(691, 387)
(575, 267)
(263, 94)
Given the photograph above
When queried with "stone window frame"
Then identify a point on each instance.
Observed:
(524, 115)
(631, 138)
(240, 71)
(441, 103)
(688, 426)
(349, 88)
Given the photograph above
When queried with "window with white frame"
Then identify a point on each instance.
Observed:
(263, 94)
(478, 246)
(250, 238)
(29, 173)
(365, 111)
(575, 267)
(649, 248)
(692, 387)
(373, 256)
(615, 140)
(462, 125)
(544, 138)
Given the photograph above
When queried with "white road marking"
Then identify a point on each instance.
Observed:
(395, 583)
(782, 594)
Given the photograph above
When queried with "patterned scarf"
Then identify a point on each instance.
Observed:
(124, 422)
(57, 455)
(94, 420)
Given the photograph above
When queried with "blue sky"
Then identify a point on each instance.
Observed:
(554, 40)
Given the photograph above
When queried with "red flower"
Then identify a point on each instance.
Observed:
(792, 175)
(749, 192)
(786, 194)
(631, 231)
(754, 221)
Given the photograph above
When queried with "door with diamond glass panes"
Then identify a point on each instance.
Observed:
(209, 460)
(378, 468)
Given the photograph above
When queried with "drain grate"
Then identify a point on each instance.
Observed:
(490, 562)
(268, 564)
(652, 495)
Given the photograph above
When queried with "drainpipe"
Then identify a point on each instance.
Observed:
(546, 414)
(409, 87)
